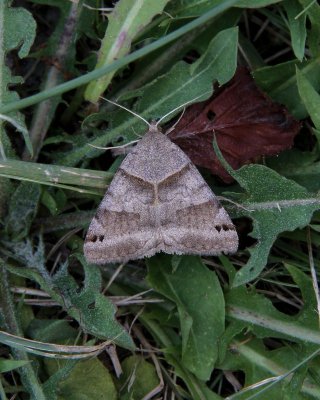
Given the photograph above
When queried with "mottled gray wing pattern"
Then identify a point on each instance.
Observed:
(158, 201)
(121, 229)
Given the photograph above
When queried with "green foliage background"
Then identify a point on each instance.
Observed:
(238, 327)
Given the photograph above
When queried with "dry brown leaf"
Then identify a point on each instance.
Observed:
(246, 122)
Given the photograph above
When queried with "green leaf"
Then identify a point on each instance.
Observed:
(312, 9)
(139, 378)
(22, 35)
(52, 330)
(54, 200)
(199, 299)
(88, 380)
(307, 314)
(292, 388)
(126, 20)
(297, 26)
(279, 81)
(194, 8)
(65, 375)
(97, 73)
(256, 3)
(310, 97)
(254, 311)
(276, 206)
(302, 167)
(198, 388)
(22, 210)
(94, 312)
(183, 83)
(10, 365)
(259, 364)
(49, 201)
(25, 28)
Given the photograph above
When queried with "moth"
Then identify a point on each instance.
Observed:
(158, 202)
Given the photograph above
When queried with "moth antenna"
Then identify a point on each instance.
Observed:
(176, 123)
(113, 147)
(127, 109)
(182, 105)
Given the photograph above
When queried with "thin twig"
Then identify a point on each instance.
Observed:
(112, 352)
(113, 277)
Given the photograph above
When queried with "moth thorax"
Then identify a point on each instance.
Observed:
(154, 128)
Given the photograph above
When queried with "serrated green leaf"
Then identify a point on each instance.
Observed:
(181, 84)
(310, 97)
(96, 74)
(22, 35)
(186, 82)
(22, 210)
(94, 312)
(126, 20)
(277, 205)
(199, 299)
(25, 253)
